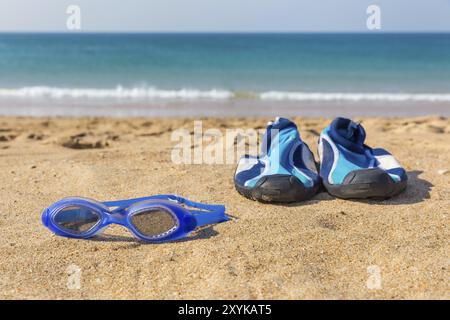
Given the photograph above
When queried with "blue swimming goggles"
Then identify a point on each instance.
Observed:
(153, 219)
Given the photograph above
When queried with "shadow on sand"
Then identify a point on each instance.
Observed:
(417, 190)
(203, 233)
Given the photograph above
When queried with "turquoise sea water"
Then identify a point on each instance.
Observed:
(226, 66)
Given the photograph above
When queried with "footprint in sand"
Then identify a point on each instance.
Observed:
(36, 136)
(435, 129)
(147, 124)
(86, 140)
(156, 132)
(7, 137)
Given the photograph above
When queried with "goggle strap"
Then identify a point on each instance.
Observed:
(209, 217)
(213, 212)
(128, 202)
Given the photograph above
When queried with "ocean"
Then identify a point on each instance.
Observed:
(160, 69)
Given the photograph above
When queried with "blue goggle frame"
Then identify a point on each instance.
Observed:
(187, 219)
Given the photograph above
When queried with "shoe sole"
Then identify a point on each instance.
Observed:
(366, 184)
(278, 189)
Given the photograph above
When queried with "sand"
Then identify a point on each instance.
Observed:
(322, 248)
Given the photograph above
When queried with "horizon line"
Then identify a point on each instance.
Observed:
(78, 32)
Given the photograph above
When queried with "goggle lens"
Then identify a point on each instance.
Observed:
(76, 219)
(154, 223)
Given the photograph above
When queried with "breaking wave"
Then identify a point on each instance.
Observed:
(151, 93)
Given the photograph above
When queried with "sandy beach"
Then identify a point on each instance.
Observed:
(323, 248)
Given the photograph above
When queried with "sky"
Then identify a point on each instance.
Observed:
(225, 15)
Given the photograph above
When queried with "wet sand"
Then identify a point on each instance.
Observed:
(322, 248)
(220, 108)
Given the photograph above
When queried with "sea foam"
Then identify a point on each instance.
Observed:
(152, 93)
(325, 96)
(115, 93)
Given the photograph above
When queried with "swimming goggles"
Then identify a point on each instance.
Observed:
(154, 219)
